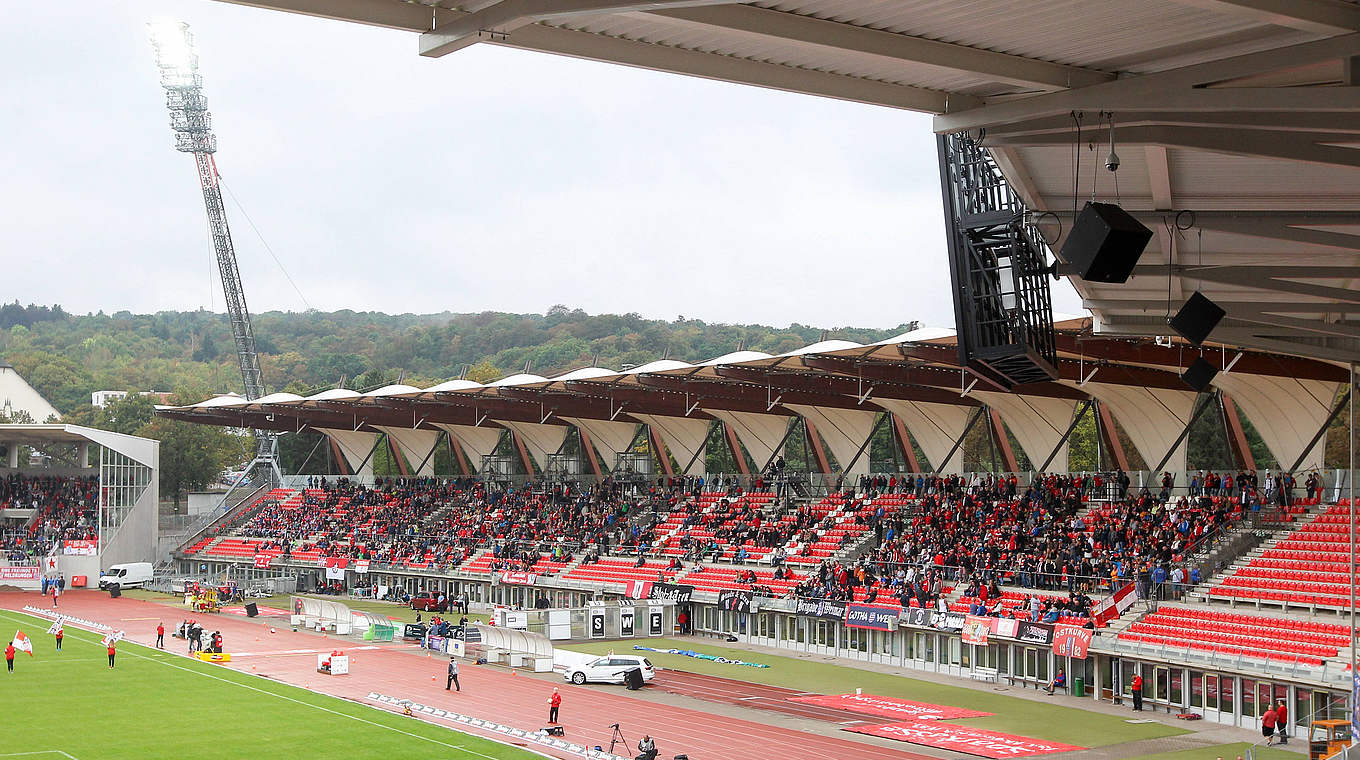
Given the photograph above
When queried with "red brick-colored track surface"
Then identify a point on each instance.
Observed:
(494, 693)
(753, 695)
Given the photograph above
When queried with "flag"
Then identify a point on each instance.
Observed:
(55, 627)
(1114, 606)
(111, 638)
(50, 564)
(262, 560)
(22, 643)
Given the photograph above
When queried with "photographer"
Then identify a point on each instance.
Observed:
(646, 748)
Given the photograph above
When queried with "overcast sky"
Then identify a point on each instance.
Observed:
(487, 179)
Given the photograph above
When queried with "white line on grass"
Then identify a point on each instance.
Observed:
(39, 752)
(297, 701)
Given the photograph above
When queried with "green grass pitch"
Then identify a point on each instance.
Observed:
(155, 704)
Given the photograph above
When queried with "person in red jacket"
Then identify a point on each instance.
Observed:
(1137, 688)
(554, 702)
(1281, 721)
(60, 634)
(9, 657)
(160, 635)
(1268, 724)
(111, 654)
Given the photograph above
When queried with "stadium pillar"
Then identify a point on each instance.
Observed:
(1003, 442)
(903, 438)
(588, 449)
(338, 457)
(1110, 434)
(815, 441)
(734, 446)
(456, 451)
(396, 457)
(663, 456)
(1237, 438)
(523, 454)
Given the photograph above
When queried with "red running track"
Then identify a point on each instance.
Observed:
(753, 695)
(489, 693)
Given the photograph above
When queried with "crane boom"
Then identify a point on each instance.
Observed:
(192, 124)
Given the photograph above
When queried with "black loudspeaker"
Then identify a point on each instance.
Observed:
(115, 591)
(1105, 243)
(1199, 374)
(633, 679)
(1197, 318)
(252, 610)
(551, 731)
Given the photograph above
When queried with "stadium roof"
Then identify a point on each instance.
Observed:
(842, 387)
(1246, 112)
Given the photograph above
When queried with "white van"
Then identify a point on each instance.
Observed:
(126, 575)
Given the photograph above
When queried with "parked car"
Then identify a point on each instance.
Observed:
(610, 669)
(429, 603)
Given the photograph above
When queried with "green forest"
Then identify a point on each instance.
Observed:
(191, 354)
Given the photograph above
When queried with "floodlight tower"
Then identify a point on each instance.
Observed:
(192, 124)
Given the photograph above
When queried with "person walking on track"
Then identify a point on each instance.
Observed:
(453, 675)
(554, 704)
(160, 635)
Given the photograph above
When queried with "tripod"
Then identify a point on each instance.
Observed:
(616, 739)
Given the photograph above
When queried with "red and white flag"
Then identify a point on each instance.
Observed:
(55, 628)
(112, 638)
(1114, 606)
(262, 560)
(639, 589)
(22, 643)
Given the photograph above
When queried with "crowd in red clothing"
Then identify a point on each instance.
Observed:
(66, 509)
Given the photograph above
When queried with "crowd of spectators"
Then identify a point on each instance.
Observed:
(65, 508)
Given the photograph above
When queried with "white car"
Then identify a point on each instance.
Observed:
(610, 669)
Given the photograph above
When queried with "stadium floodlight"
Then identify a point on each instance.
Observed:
(174, 47)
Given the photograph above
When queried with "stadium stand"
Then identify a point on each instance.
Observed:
(63, 508)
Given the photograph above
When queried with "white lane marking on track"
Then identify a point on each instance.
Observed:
(300, 702)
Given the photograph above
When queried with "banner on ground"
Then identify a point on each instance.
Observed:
(872, 617)
(518, 578)
(973, 741)
(699, 656)
(262, 560)
(736, 600)
(825, 609)
(80, 548)
(676, 592)
(1114, 606)
(23, 573)
(976, 629)
(1071, 641)
(889, 707)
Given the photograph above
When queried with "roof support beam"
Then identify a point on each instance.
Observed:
(891, 46)
(734, 446)
(1003, 442)
(903, 439)
(1182, 89)
(1318, 16)
(1110, 435)
(502, 18)
(1289, 145)
(1237, 437)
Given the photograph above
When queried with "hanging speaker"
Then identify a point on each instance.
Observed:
(1199, 374)
(1197, 318)
(1105, 243)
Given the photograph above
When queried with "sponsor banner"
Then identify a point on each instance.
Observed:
(976, 629)
(1114, 606)
(1034, 633)
(518, 578)
(262, 560)
(889, 707)
(735, 600)
(361, 566)
(80, 548)
(973, 741)
(655, 621)
(1071, 641)
(626, 618)
(949, 621)
(920, 617)
(870, 616)
(24, 573)
(820, 608)
(596, 623)
(676, 592)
